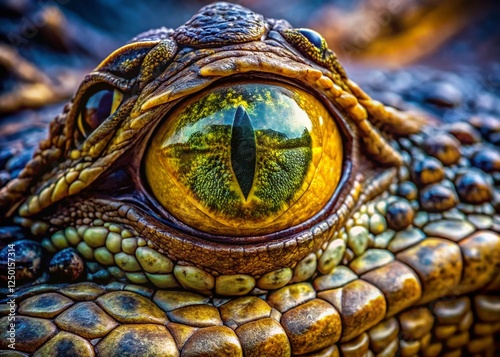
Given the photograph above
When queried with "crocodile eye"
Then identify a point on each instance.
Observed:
(98, 106)
(245, 159)
(315, 38)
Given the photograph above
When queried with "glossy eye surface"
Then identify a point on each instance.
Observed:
(245, 159)
(99, 106)
(315, 38)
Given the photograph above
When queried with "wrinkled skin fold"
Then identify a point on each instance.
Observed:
(402, 259)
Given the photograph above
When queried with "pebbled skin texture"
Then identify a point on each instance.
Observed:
(404, 260)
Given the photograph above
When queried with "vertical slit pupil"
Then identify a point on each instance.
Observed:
(243, 150)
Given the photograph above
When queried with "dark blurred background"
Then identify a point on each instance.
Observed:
(46, 46)
(383, 32)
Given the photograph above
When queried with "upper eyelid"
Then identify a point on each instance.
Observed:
(105, 78)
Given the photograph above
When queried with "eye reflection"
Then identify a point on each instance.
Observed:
(242, 155)
(99, 106)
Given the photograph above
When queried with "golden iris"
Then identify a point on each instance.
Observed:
(245, 159)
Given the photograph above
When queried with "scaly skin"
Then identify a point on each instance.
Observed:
(403, 260)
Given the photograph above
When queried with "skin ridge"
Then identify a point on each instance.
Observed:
(405, 261)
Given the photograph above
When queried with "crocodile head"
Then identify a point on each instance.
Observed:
(247, 197)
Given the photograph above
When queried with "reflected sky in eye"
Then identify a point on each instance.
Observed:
(269, 107)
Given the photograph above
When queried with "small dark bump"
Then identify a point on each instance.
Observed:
(400, 81)
(101, 277)
(450, 174)
(472, 187)
(407, 190)
(67, 266)
(443, 95)
(399, 215)
(376, 79)
(484, 102)
(486, 124)
(463, 162)
(417, 138)
(487, 159)
(438, 198)
(392, 99)
(427, 171)
(443, 147)
(93, 267)
(406, 143)
(464, 132)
